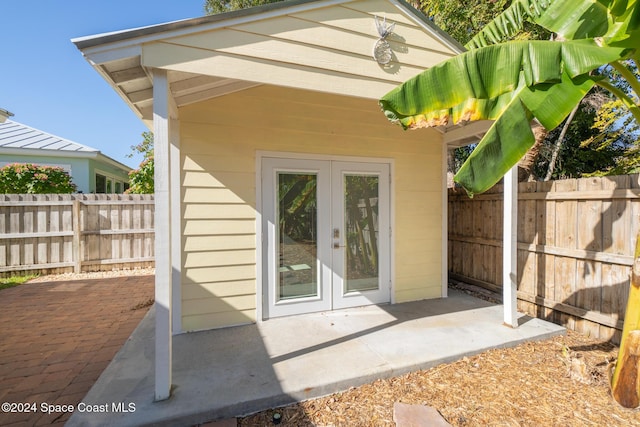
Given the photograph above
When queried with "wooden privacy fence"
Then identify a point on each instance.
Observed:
(576, 240)
(54, 233)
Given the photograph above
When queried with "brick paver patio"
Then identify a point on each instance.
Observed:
(56, 338)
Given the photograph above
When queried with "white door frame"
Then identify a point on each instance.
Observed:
(262, 267)
(321, 301)
(340, 299)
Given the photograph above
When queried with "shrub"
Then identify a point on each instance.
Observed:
(27, 178)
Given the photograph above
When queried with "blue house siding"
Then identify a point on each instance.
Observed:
(90, 170)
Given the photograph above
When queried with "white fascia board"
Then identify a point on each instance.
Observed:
(112, 52)
(260, 16)
(49, 153)
(100, 53)
(95, 155)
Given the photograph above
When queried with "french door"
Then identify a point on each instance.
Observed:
(326, 225)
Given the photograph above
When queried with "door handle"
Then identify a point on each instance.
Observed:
(336, 236)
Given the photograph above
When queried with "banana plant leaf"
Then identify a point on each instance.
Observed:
(616, 21)
(509, 83)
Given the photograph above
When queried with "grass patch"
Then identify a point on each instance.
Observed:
(10, 282)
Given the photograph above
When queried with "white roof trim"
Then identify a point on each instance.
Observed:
(430, 28)
(69, 154)
(101, 48)
(94, 45)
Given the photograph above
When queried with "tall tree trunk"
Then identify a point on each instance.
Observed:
(526, 164)
(625, 382)
(451, 167)
(373, 244)
(362, 253)
(556, 148)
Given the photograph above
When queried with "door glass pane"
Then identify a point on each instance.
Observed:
(297, 236)
(361, 225)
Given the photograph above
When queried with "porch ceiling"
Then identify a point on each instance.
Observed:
(135, 85)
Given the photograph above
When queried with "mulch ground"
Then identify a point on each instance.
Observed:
(56, 338)
(563, 381)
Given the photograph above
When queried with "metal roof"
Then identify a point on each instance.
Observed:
(19, 139)
(16, 135)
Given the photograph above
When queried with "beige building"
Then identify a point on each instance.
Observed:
(281, 188)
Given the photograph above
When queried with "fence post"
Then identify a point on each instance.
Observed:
(77, 260)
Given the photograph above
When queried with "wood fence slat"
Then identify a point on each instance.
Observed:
(67, 225)
(553, 250)
(55, 242)
(9, 201)
(91, 222)
(589, 273)
(575, 248)
(567, 195)
(14, 227)
(79, 232)
(36, 235)
(42, 225)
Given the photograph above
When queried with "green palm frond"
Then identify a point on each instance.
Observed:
(509, 83)
(616, 21)
(508, 23)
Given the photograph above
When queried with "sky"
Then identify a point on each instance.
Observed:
(47, 83)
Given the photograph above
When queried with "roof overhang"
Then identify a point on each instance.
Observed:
(94, 155)
(217, 55)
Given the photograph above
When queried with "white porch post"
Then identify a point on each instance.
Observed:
(509, 248)
(163, 253)
(445, 221)
(176, 224)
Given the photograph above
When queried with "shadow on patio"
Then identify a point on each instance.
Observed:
(235, 371)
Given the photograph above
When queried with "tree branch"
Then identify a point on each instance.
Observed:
(556, 148)
(628, 76)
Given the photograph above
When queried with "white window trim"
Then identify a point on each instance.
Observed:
(111, 177)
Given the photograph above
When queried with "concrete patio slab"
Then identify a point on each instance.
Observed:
(236, 371)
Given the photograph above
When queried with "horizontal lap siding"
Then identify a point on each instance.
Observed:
(218, 196)
(220, 139)
(327, 49)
